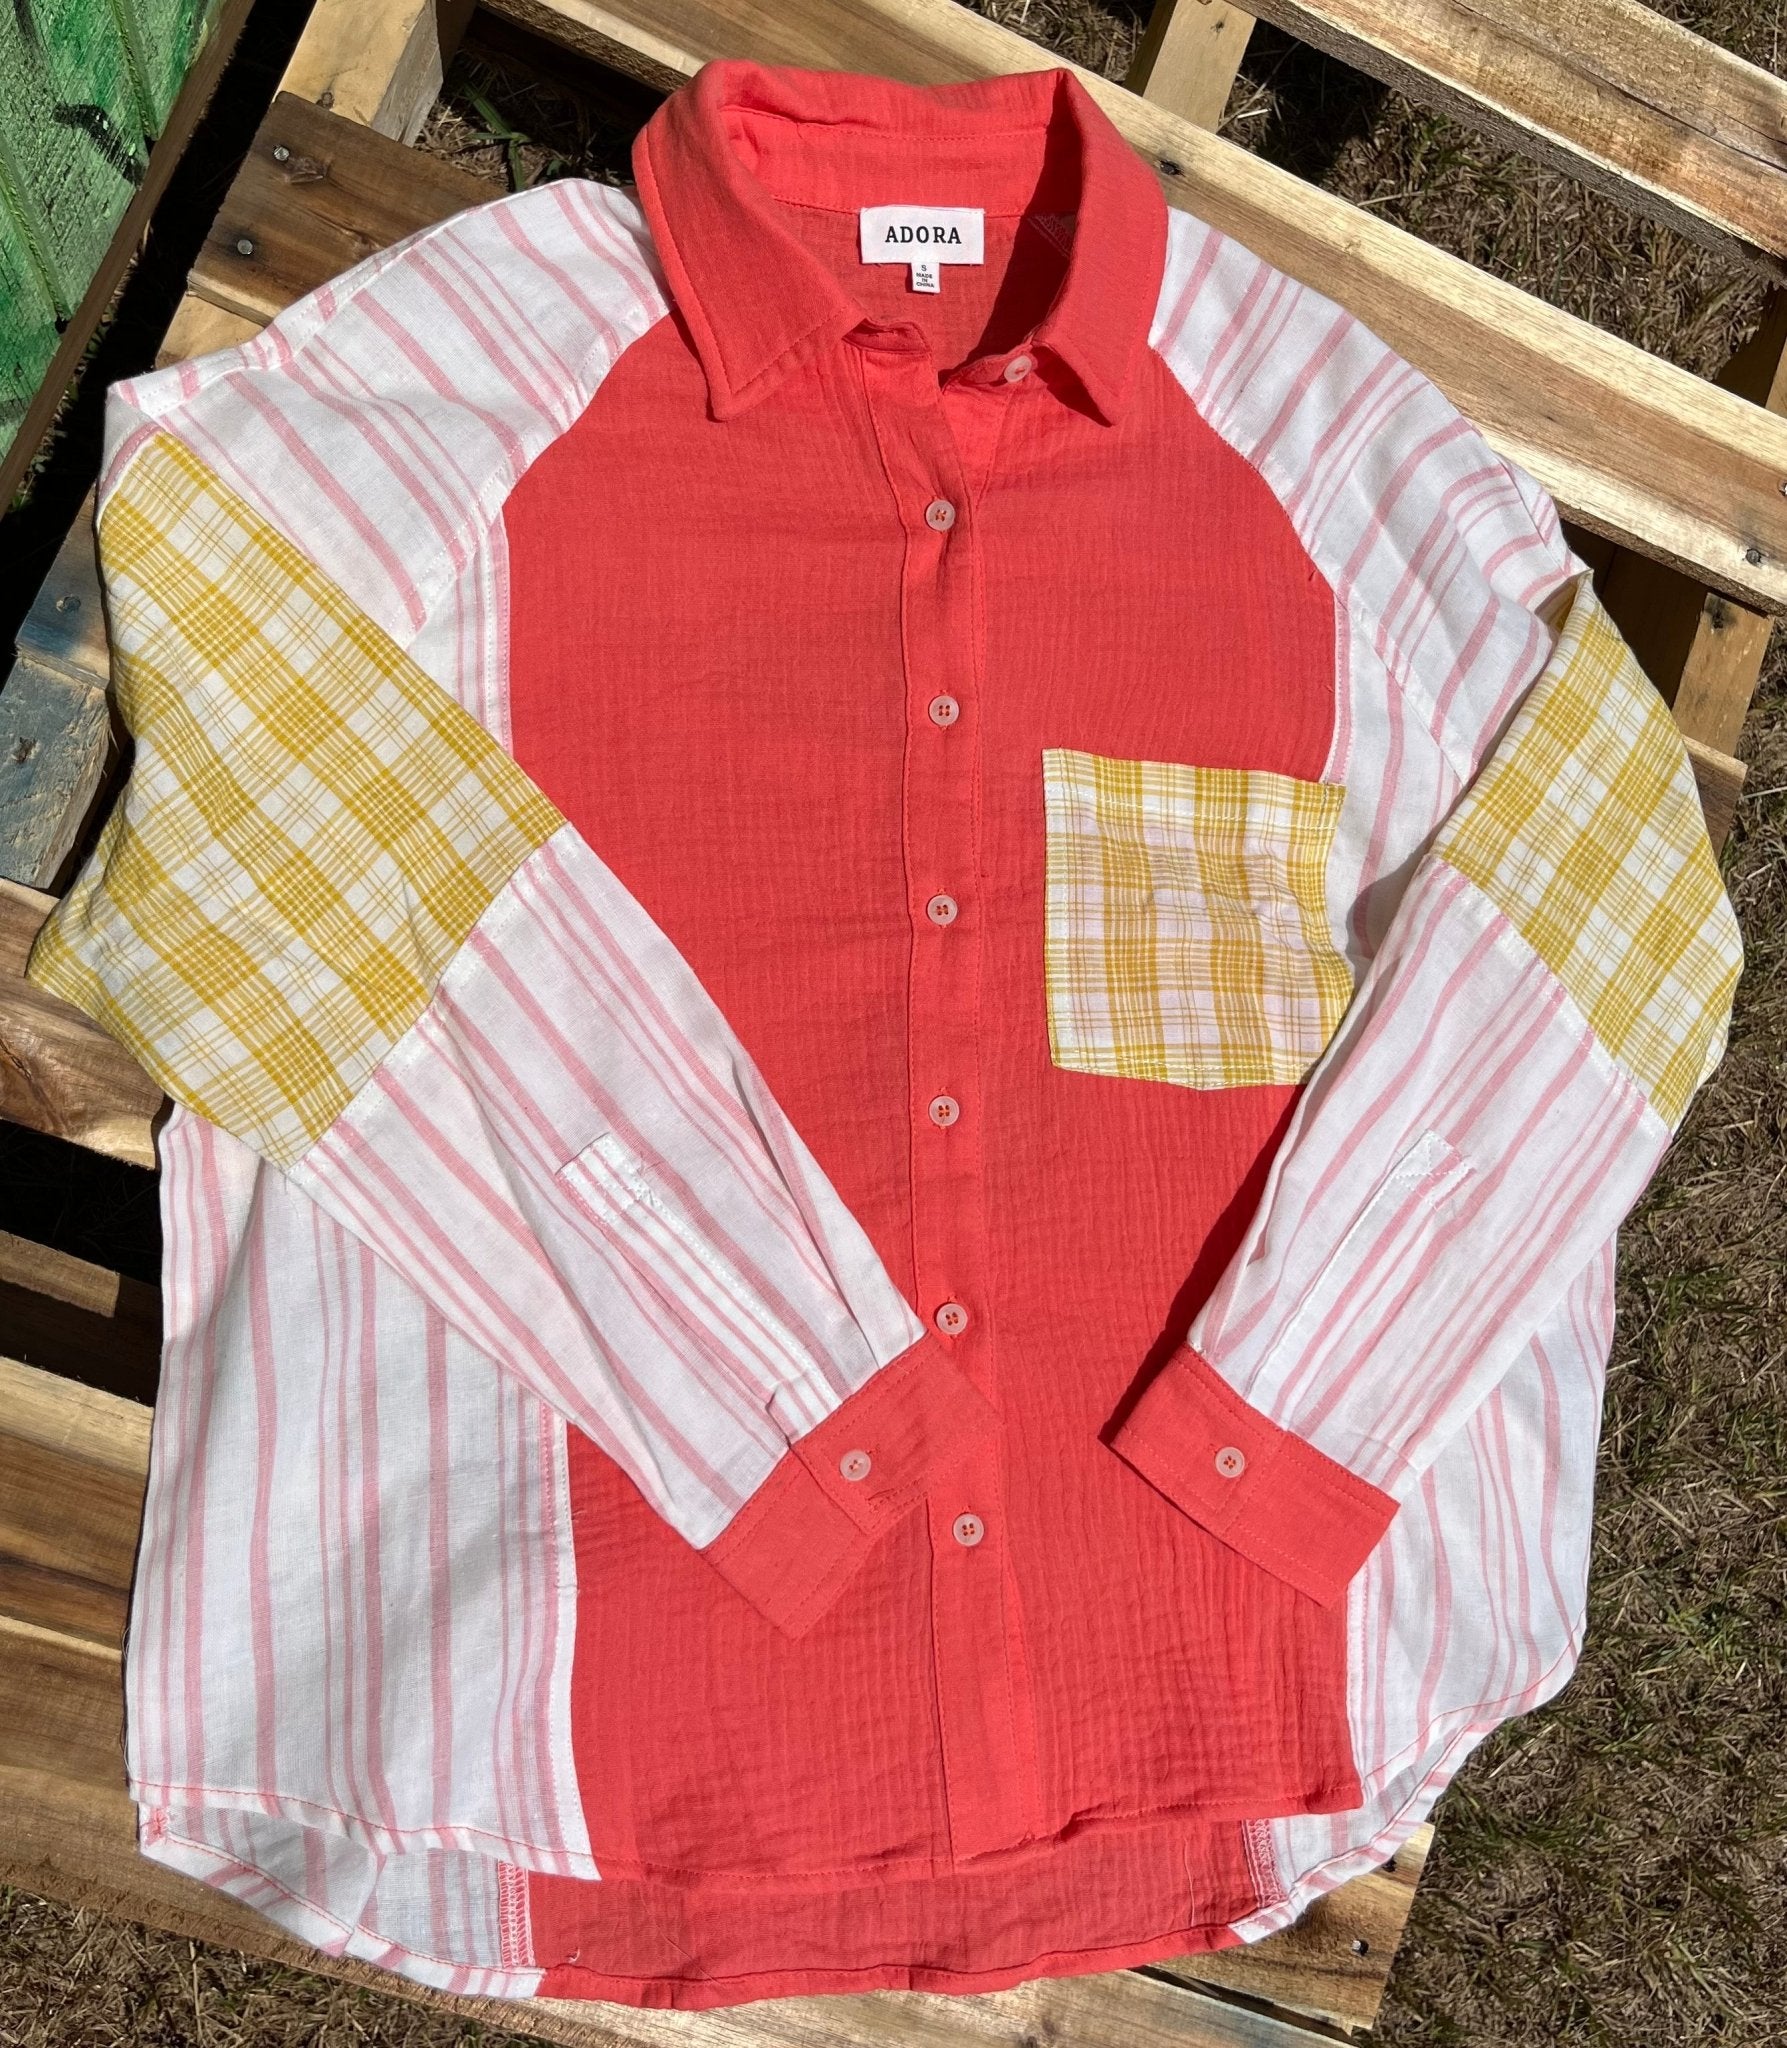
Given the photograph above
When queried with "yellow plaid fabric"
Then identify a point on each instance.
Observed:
(311, 828)
(1585, 830)
(1186, 937)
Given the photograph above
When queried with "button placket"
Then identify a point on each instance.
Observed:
(984, 1710)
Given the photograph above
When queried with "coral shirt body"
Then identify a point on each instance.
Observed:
(799, 606)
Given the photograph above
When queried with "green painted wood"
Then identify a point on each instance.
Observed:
(86, 86)
(28, 329)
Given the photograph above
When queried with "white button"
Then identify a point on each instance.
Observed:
(941, 910)
(855, 1464)
(1018, 368)
(951, 1319)
(945, 1109)
(969, 1529)
(940, 515)
(944, 710)
(1230, 1463)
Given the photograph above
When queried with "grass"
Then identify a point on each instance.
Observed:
(1612, 1869)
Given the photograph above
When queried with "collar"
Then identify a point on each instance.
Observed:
(758, 304)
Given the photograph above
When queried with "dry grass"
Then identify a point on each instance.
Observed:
(1613, 1869)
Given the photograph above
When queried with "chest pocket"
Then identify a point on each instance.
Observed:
(1187, 935)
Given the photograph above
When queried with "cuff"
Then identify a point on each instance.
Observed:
(794, 1545)
(1275, 1498)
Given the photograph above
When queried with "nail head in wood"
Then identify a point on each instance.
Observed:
(280, 153)
(244, 245)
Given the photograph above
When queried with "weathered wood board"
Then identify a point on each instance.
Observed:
(58, 1071)
(73, 1463)
(67, 1316)
(1188, 57)
(1610, 91)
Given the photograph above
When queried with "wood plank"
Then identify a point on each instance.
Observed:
(55, 746)
(1703, 650)
(382, 68)
(1188, 57)
(1630, 446)
(65, 627)
(59, 1072)
(73, 1465)
(198, 327)
(1720, 780)
(201, 78)
(58, 746)
(85, 1322)
(1334, 1963)
(338, 193)
(1609, 91)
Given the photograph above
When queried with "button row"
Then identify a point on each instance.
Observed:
(951, 1318)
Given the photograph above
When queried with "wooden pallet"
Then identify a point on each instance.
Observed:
(1675, 489)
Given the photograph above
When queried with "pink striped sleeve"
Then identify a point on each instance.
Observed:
(1544, 953)
(573, 1159)
(540, 1122)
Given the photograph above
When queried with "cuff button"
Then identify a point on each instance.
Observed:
(855, 1464)
(1230, 1463)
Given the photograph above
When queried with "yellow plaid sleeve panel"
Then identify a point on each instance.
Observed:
(1553, 985)
(333, 917)
(1586, 832)
(1187, 937)
(312, 827)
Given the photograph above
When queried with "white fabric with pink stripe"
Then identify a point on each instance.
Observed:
(1401, 1301)
(575, 1160)
(392, 1585)
(381, 422)
(632, 1230)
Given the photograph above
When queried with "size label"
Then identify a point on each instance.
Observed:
(923, 234)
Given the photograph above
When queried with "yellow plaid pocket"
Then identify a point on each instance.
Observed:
(1186, 934)
(311, 828)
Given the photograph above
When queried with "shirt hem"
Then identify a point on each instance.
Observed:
(1343, 1798)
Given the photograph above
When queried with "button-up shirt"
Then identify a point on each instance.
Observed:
(910, 1002)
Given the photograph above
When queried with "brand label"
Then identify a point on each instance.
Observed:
(924, 237)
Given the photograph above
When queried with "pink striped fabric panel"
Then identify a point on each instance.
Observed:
(1399, 1223)
(381, 422)
(573, 1158)
(1437, 550)
(1472, 1609)
(1461, 1077)
(359, 1522)
(1458, 1154)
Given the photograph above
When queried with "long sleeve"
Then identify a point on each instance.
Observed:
(331, 915)
(1552, 985)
